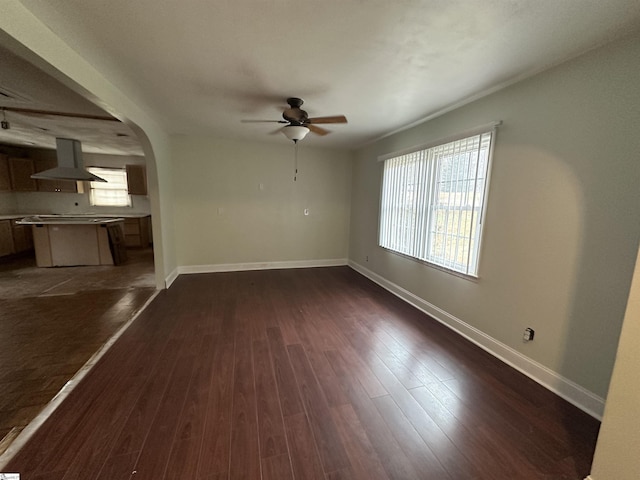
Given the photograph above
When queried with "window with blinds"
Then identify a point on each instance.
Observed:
(432, 202)
(114, 193)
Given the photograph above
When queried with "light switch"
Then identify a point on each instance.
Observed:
(306, 211)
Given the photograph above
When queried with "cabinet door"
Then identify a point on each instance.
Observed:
(22, 237)
(5, 178)
(137, 179)
(132, 232)
(20, 170)
(6, 238)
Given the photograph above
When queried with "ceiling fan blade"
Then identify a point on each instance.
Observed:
(263, 121)
(317, 130)
(334, 119)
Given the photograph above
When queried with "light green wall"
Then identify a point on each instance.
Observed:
(33, 39)
(562, 229)
(616, 455)
(223, 217)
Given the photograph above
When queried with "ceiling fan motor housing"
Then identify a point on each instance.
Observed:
(295, 102)
(295, 114)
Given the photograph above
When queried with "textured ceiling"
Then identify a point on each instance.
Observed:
(200, 67)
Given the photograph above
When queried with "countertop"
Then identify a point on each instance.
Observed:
(75, 215)
(67, 220)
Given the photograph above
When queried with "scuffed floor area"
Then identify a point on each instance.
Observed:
(52, 320)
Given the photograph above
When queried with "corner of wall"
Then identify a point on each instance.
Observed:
(171, 278)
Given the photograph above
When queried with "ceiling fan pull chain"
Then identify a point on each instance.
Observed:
(295, 162)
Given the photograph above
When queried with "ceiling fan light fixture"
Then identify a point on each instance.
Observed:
(295, 132)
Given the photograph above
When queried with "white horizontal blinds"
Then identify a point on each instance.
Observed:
(114, 193)
(432, 202)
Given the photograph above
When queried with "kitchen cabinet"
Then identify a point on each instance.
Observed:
(137, 232)
(5, 177)
(137, 179)
(22, 237)
(70, 241)
(6, 238)
(20, 171)
(68, 186)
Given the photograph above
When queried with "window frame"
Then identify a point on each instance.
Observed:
(93, 186)
(484, 129)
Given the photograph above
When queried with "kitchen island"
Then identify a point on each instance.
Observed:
(72, 241)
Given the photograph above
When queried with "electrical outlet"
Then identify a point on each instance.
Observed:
(528, 334)
(306, 211)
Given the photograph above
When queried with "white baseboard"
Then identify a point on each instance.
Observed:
(561, 386)
(239, 267)
(171, 278)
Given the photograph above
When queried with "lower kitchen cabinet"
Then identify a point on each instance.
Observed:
(137, 232)
(6, 238)
(22, 237)
(14, 238)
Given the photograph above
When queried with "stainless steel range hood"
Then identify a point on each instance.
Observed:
(70, 166)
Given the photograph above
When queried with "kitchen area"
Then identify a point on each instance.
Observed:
(47, 200)
(76, 254)
(72, 273)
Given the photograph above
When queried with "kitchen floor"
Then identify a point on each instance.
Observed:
(52, 320)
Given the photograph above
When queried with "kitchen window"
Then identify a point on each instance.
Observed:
(433, 201)
(113, 193)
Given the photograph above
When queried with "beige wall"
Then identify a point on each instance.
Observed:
(617, 452)
(561, 232)
(34, 39)
(222, 216)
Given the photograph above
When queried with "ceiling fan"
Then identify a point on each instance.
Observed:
(298, 123)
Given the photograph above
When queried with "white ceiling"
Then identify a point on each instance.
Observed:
(200, 66)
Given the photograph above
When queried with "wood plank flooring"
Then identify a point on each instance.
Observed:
(302, 374)
(52, 320)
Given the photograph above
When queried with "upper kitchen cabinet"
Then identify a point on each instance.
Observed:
(68, 186)
(5, 177)
(137, 179)
(20, 171)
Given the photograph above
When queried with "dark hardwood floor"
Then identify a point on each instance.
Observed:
(305, 374)
(52, 320)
